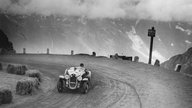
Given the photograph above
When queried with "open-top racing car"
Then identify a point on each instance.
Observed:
(75, 78)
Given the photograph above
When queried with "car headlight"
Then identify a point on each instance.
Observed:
(79, 78)
(66, 72)
(66, 76)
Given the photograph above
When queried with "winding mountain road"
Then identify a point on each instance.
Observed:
(115, 84)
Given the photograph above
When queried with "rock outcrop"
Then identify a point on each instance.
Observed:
(185, 60)
(6, 47)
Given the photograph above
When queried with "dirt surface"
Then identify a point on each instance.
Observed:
(115, 84)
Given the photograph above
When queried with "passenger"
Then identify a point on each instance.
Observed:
(86, 71)
(81, 65)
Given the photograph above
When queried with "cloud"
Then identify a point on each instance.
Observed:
(183, 30)
(160, 10)
(139, 46)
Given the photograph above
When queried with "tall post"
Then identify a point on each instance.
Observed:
(24, 51)
(72, 52)
(47, 50)
(151, 33)
(151, 49)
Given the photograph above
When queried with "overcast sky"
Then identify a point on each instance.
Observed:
(161, 10)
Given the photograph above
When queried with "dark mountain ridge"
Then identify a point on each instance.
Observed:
(185, 60)
(6, 47)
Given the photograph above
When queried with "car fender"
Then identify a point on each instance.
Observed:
(61, 76)
(85, 79)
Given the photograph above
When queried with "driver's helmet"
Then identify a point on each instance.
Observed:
(81, 65)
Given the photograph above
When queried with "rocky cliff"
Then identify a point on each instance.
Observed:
(185, 60)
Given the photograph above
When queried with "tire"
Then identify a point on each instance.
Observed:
(60, 86)
(85, 87)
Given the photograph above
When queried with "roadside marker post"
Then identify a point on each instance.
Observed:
(151, 33)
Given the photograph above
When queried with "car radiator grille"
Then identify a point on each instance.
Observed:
(73, 82)
(73, 79)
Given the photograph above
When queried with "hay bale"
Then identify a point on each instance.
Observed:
(16, 69)
(1, 67)
(34, 73)
(27, 86)
(5, 96)
(10, 68)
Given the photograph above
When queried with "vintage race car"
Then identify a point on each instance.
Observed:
(74, 78)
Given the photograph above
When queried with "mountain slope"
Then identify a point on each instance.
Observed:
(184, 59)
(61, 34)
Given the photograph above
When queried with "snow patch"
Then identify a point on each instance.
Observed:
(189, 32)
(188, 42)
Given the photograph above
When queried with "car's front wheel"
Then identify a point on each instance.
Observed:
(84, 87)
(61, 86)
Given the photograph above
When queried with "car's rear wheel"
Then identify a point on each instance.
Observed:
(85, 87)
